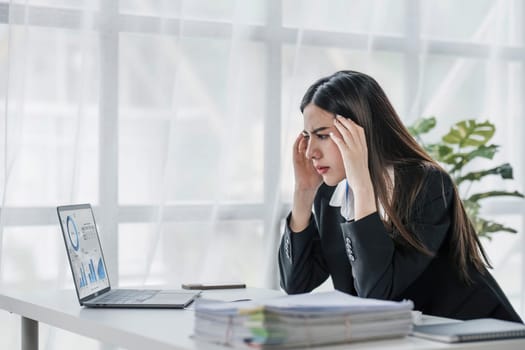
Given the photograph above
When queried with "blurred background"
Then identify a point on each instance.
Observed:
(175, 119)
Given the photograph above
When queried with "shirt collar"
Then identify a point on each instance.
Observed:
(343, 197)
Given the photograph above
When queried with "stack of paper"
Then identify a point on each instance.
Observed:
(301, 320)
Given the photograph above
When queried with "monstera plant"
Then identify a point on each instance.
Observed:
(466, 141)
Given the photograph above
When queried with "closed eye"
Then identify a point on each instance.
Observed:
(322, 136)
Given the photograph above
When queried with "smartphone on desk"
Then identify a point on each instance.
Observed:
(207, 286)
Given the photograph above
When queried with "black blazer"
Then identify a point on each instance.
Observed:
(363, 259)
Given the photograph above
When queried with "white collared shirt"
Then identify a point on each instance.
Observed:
(343, 197)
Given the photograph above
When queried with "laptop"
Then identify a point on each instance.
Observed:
(90, 275)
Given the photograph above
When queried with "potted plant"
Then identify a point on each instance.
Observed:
(466, 141)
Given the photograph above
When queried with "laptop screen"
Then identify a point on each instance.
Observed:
(83, 248)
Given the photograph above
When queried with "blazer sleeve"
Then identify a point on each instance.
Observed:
(301, 263)
(383, 270)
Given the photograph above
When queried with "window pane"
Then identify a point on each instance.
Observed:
(183, 117)
(361, 16)
(52, 145)
(248, 12)
(68, 4)
(498, 22)
(4, 66)
(453, 87)
(34, 257)
(191, 252)
(457, 88)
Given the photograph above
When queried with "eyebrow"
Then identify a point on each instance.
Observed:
(317, 130)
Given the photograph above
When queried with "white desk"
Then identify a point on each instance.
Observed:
(168, 329)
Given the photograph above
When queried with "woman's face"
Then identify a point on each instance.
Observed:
(321, 149)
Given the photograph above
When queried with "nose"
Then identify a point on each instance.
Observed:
(312, 152)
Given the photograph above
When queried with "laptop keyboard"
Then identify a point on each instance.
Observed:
(125, 296)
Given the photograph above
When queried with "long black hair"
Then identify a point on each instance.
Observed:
(359, 97)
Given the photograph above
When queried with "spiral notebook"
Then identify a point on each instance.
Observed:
(471, 330)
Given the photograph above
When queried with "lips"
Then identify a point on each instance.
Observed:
(322, 169)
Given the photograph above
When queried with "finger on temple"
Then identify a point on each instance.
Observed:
(345, 132)
(297, 141)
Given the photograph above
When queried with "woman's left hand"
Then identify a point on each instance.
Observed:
(352, 145)
(353, 148)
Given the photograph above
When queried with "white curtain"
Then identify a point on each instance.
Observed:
(175, 120)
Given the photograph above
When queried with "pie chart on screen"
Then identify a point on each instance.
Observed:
(72, 232)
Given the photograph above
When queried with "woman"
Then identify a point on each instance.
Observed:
(388, 222)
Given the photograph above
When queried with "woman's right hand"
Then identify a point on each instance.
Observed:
(307, 179)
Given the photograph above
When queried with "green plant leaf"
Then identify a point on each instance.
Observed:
(486, 227)
(504, 170)
(439, 151)
(471, 208)
(466, 141)
(459, 160)
(422, 126)
(477, 196)
(469, 133)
